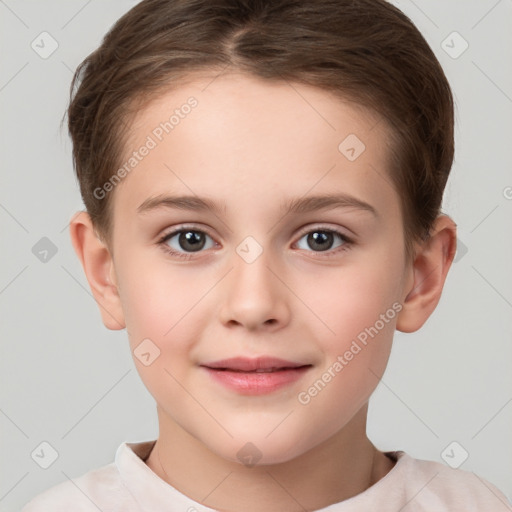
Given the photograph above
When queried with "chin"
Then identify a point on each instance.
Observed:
(257, 450)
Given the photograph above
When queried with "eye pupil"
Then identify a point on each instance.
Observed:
(191, 240)
(317, 240)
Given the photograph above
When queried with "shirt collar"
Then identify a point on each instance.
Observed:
(153, 494)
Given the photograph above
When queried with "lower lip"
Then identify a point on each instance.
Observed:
(257, 383)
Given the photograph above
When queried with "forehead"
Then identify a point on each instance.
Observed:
(235, 136)
(237, 99)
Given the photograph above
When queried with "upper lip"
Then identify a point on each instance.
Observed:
(247, 364)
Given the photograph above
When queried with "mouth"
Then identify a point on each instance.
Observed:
(261, 364)
(256, 376)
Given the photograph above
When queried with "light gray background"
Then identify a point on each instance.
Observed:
(70, 382)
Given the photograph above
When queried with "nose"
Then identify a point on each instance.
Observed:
(254, 295)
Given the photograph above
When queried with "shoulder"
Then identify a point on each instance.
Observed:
(99, 489)
(431, 485)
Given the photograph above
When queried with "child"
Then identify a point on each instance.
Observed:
(258, 131)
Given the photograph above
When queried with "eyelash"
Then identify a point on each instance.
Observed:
(162, 242)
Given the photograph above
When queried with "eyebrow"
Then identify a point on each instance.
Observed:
(297, 206)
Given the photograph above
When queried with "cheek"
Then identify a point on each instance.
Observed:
(363, 316)
(155, 300)
(168, 308)
(161, 313)
(354, 299)
(360, 307)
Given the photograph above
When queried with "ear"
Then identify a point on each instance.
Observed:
(432, 261)
(99, 269)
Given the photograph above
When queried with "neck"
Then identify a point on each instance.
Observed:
(339, 468)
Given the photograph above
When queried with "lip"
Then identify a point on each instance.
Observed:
(255, 376)
(247, 364)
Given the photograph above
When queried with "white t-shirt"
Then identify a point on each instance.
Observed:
(129, 485)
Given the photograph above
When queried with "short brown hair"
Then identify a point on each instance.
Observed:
(365, 51)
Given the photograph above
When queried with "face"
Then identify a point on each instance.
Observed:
(233, 272)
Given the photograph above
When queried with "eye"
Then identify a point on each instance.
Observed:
(184, 242)
(322, 240)
(185, 239)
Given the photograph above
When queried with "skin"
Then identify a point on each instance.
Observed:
(250, 145)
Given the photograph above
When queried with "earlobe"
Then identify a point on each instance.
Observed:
(98, 266)
(430, 268)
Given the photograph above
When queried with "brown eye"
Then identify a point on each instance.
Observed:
(321, 240)
(185, 241)
(191, 240)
